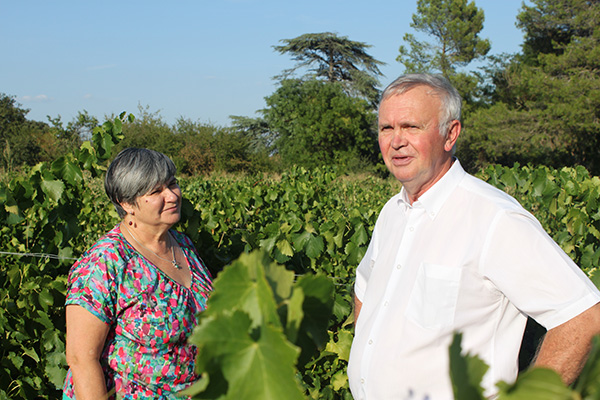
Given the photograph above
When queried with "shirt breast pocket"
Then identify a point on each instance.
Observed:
(432, 302)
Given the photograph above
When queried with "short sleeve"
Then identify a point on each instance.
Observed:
(534, 273)
(92, 282)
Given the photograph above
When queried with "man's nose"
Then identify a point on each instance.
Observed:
(398, 139)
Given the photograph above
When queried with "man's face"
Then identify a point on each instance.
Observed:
(412, 148)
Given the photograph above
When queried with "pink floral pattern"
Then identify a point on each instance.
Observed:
(146, 355)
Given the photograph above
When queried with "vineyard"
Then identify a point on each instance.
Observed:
(283, 248)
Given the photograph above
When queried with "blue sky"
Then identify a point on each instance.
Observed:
(201, 60)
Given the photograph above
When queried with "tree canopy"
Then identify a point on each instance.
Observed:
(454, 26)
(335, 59)
(548, 107)
(25, 142)
(549, 25)
(317, 124)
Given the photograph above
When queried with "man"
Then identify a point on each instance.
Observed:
(450, 253)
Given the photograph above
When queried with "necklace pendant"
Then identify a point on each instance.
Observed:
(175, 265)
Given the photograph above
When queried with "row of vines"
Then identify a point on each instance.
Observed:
(284, 250)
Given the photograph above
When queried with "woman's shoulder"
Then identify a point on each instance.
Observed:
(110, 246)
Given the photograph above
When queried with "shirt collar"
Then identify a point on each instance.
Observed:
(434, 198)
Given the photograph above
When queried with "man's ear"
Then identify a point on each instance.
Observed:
(452, 135)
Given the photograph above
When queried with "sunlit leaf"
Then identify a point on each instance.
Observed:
(536, 384)
(53, 189)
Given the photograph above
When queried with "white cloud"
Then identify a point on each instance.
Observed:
(39, 98)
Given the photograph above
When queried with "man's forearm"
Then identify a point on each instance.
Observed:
(565, 348)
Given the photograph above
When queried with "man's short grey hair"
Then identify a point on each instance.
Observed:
(450, 99)
(133, 173)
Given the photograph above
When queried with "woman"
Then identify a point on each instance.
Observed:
(133, 297)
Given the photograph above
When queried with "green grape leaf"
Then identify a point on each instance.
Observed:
(536, 384)
(243, 285)
(315, 246)
(466, 372)
(53, 189)
(256, 363)
(285, 248)
(67, 170)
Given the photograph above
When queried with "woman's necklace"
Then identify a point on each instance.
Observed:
(173, 261)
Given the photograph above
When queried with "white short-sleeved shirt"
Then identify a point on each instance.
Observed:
(465, 257)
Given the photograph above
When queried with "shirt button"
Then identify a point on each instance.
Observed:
(371, 341)
(398, 266)
(362, 380)
(386, 303)
(412, 229)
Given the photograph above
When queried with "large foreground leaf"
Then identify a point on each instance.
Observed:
(255, 363)
(536, 384)
(246, 336)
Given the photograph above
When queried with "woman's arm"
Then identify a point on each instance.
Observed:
(86, 335)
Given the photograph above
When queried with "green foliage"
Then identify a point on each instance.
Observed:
(252, 340)
(311, 221)
(195, 147)
(466, 372)
(550, 25)
(318, 124)
(24, 142)
(546, 105)
(149, 130)
(336, 59)
(455, 26)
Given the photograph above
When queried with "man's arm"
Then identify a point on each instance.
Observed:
(357, 307)
(566, 347)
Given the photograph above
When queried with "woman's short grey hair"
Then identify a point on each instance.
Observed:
(133, 173)
(450, 99)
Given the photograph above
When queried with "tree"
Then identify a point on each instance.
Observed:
(260, 141)
(149, 130)
(318, 124)
(23, 142)
(551, 93)
(257, 131)
(336, 59)
(196, 157)
(549, 25)
(11, 116)
(455, 26)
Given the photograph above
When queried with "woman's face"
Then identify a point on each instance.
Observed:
(160, 206)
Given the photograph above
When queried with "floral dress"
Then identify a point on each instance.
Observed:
(146, 355)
